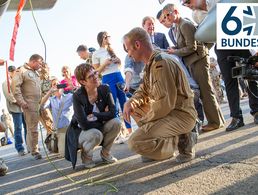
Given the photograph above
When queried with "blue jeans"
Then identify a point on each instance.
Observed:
(24, 127)
(112, 79)
(18, 120)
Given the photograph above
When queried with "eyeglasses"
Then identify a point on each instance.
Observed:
(92, 75)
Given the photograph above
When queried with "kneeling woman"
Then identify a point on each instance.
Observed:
(94, 121)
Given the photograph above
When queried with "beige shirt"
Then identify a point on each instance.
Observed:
(26, 87)
(165, 88)
(11, 103)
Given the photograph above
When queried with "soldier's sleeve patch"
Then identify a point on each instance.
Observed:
(31, 75)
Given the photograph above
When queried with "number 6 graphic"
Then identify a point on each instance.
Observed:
(229, 18)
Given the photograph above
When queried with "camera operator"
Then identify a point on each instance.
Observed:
(232, 88)
(231, 84)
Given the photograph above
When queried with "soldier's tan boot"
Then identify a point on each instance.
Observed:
(186, 149)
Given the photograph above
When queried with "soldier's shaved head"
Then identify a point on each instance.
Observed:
(138, 34)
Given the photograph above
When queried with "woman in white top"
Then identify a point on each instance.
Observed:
(108, 65)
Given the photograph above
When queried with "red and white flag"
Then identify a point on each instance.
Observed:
(15, 29)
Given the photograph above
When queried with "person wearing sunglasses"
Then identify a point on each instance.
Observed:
(108, 65)
(195, 55)
(94, 117)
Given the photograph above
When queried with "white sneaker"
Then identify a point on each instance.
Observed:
(120, 140)
(108, 159)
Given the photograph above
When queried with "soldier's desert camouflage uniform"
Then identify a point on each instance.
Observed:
(170, 111)
(215, 78)
(45, 115)
(26, 90)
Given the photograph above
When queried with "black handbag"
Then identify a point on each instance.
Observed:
(3, 141)
(51, 142)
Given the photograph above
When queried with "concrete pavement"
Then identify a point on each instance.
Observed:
(226, 163)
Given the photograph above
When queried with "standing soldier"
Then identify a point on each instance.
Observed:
(215, 78)
(27, 92)
(45, 115)
(7, 120)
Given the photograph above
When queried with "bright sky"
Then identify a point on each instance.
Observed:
(70, 24)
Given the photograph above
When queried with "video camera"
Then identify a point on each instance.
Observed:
(244, 67)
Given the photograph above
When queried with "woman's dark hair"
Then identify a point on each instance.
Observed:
(81, 71)
(100, 38)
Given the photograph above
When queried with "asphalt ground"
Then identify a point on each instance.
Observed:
(225, 163)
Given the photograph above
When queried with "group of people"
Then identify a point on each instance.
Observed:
(200, 10)
(171, 91)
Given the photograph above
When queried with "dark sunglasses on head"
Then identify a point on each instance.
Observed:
(185, 2)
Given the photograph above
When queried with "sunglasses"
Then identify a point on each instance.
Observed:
(105, 37)
(185, 2)
(168, 14)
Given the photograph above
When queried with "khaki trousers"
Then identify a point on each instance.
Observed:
(157, 140)
(46, 120)
(32, 119)
(201, 74)
(91, 138)
(61, 140)
(9, 126)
